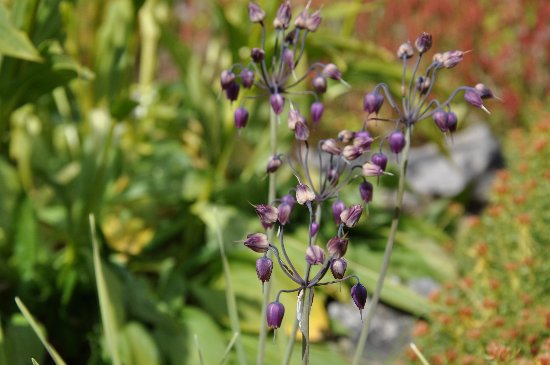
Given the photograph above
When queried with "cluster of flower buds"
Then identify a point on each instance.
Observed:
(276, 78)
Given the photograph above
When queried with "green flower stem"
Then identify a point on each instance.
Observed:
(272, 190)
(389, 248)
(306, 311)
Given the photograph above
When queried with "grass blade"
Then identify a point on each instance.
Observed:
(229, 347)
(34, 362)
(419, 354)
(36, 328)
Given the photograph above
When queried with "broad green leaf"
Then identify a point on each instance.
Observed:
(26, 240)
(138, 347)
(14, 42)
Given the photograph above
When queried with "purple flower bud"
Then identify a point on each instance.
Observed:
(247, 78)
(241, 117)
(268, 214)
(484, 92)
(275, 312)
(315, 255)
(284, 213)
(282, 19)
(288, 58)
(226, 79)
(288, 199)
(405, 50)
(337, 208)
(379, 159)
(366, 191)
(438, 58)
(372, 102)
(257, 55)
(370, 169)
(423, 84)
(359, 296)
(304, 194)
(313, 231)
(452, 122)
(320, 84)
(351, 216)
(351, 153)
(397, 141)
(345, 136)
(232, 91)
(440, 119)
(424, 42)
(331, 146)
(293, 117)
(473, 97)
(313, 21)
(255, 12)
(332, 72)
(301, 131)
(273, 164)
(257, 242)
(338, 268)
(317, 110)
(450, 59)
(277, 103)
(333, 176)
(264, 267)
(362, 140)
(337, 246)
(301, 20)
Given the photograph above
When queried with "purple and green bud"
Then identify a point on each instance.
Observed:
(331, 146)
(301, 20)
(370, 169)
(452, 122)
(317, 109)
(337, 208)
(277, 103)
(338, 268)
(255, 13)
(363, 140)
(484, 92)
(366, 190)
(337, 246)
(379, 159)
(351, 153)
(314, 229)
(247, 78)
(284, 14)
(257, 55)
(264, 267)
(268, 214)
(351, 216)
(332, 72)
(304, 194)
(274, 163)
(359, 296)
(372, 102)
(301, 131)
(397, 141)
(241, 117)
(226, 79)
(257, 242)
(472, 96)
(284, 211)
(424, 42)
(232, 91)
(440, 119)
(315, 255)
(288, 58)
(319, 83)
(405, 50)
(288, 199)
(275, 312)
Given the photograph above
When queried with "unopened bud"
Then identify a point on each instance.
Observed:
(273, 164)
(255, 12)
(440, 119)
(284, 210)
(288, 58)
(366, 191)
(370, 169)
(345, 136)
(304, 194)
(247, 78)
(473, 97)
(359, 296)
(338, 268)
(337, 208)
(288, 199)
(452, 122)
(313, 231)
(264, 267)
(331, 146)
(268, 214)
(301, 20)
(351, 153)
(379, 159)
(424, 42)
(372, 102)
(257, 242)
(337, 246)
(363, 140)
(275, 312)
(232, 91)
(282, 19)
(226, 79)
(450, 59)
(484, 92)
(320, 84)
(241, 117)
(405, 50)
(301, 131)
(277, 103)
(351, 216)
(315, 255)
(397, 141)
(317, 109)
(293, 117)
(332, 72)
(257, 55)
(333, 176)
(313, 21)
(423, 84)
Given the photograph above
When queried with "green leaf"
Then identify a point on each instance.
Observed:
(14, 42)
(25, 248)
(138, 346)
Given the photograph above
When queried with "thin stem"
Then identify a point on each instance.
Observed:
(273, 122)
(295, 272)
(306, 310)
(389, 248)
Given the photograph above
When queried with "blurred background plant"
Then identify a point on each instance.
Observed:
(112, 107)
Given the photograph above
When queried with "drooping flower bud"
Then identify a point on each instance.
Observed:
(359, 296)
(363, 140)
(440, 119)
(317, 109)
(257, 242)
(301, 20)
(232, 91)
(226, 79)
(351, 153)
(247, 78)
(293, 117)
(268, 214)
(484, 92)
(423, 84)
(315, 255)
(264, 267)
(405, 50)
(241, 117)
(314, 229)
(301, 131)
(331, 146)
(337, 208)
(337, 246)
(397, 141)
(319, 83)
(313, 21)
(379, 159)
(372, 102)
(473, 97)
(370, 169)
(338, 268)
(273, 164)
(332, 72)
(345, 136)
(288, 199)
(257, 55)
(452, 122)
(450, 59)
(304, 194)
(424, 42)
(255, 12)
(284, 210)
(288, 58)
(275, 312)
(282, 19)
(351, 216)
(277, 103)
(366, 191)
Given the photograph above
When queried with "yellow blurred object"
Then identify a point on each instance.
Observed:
(127, 235)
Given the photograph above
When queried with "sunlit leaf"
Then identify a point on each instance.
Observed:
(13, 42)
